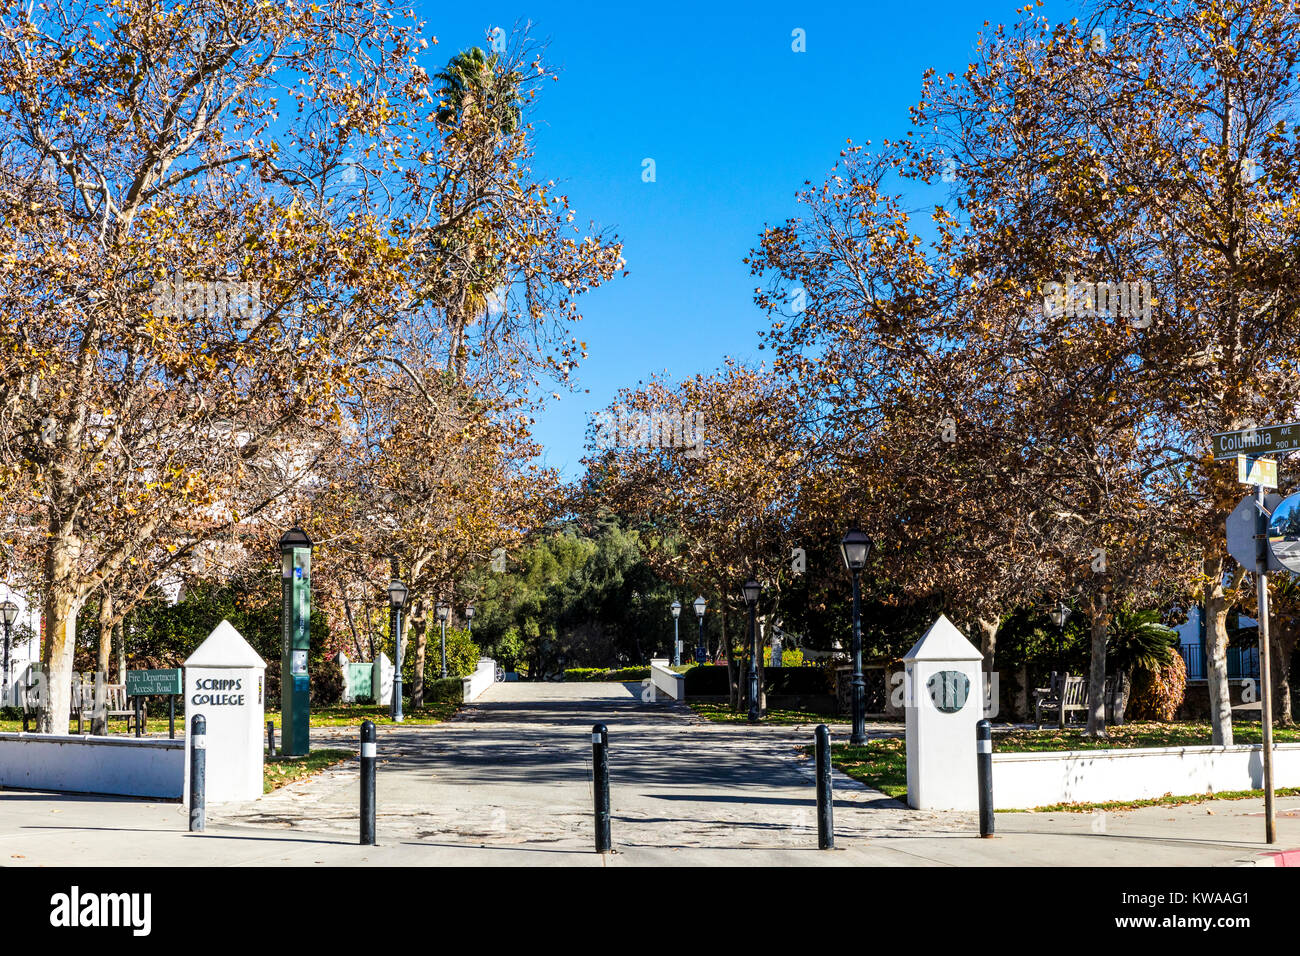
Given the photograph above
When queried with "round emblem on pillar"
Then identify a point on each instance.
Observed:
(949, 690)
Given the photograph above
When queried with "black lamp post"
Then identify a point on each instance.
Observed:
(854, 548)
(9, 610)
(701, 651)
(1060, 614)
(396, 601)
(751, 589)
(469, 620)
(443, 612)
(676, 608)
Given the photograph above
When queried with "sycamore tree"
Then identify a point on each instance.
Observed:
(1001, 389)
(221, 223)
(1151, 148)
(708, 470)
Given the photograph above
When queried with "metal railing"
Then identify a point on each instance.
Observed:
(1243, 662)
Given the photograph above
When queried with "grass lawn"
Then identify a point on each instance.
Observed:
(352, 715)
(877, 763)
(1150, 734)
(883, 763)
(277, 771)
(724, 714)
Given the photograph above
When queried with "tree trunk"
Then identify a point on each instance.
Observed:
(733, 668)
(1100, 614)
(61, 608)
(62, 603)
(119, 631)
(988, 647)
(1282, 638)
(1216, 671)
(989, 640)
(105, 634)
(419, 620)
(99, 723)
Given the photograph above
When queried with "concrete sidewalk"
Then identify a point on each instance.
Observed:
(509, 783)
(53, 830)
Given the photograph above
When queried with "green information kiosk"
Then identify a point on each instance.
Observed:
(295, 577)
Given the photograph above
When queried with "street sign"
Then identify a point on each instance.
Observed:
(148, 683)
(1284, 533)
(1241, 533)
(1257, 471)
(1258, 441)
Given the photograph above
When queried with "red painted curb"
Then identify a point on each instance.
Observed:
(1285, 858)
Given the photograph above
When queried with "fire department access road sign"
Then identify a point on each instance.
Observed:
(1257, 441)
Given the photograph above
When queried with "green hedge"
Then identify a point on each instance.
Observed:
(602, 674)
(444, 688)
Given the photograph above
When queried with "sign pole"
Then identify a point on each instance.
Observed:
(1265, 678)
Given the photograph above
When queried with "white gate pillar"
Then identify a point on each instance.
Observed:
(943, 701)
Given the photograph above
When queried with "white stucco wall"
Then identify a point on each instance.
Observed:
(667, 681)
(483, 677)
(85, 764)
(1027, 780)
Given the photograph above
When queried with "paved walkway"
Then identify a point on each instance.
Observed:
(515, 769)
(509, 782)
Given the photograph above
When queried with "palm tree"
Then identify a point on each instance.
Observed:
(1137, 641)
(475, 85)
(479, 105)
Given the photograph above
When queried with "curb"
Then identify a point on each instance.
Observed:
(1279, 858)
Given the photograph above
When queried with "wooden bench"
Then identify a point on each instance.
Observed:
(115, 704)
(1076, 697)
(1066, 694)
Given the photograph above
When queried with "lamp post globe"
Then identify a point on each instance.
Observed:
(701, 649)
(469, 619)
(397, 592)
(853, 549)
(750, 590)
(443, 611)
(9, 612)
(1059, 615)
(676, 608)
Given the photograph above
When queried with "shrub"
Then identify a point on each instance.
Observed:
(326, 684)
(793, 658)
(462, 657)
(509, 649)
(444, 688)
(273, 685)
(1158, 692)
(602, 674)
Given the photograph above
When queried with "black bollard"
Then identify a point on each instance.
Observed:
(825, 799)
(600, 771)
(984, 769)
(198, 775)
(140, 715)
(369, 757)
(270, 738)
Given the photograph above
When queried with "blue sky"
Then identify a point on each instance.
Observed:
(735, 121)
